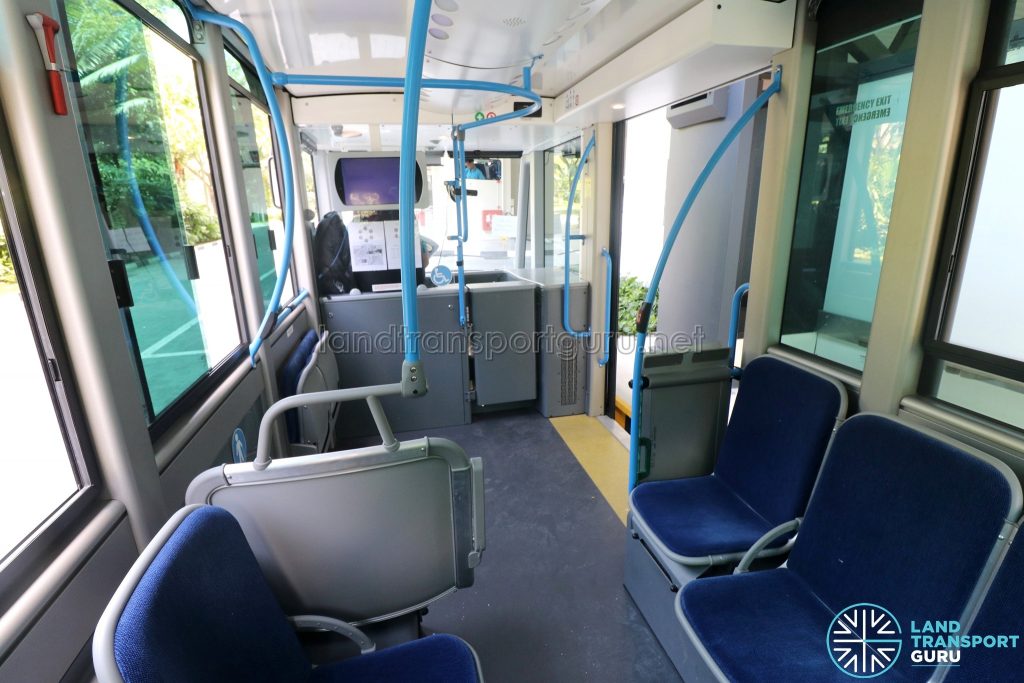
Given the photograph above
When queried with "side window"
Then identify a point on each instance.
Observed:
(146, 139)
(255, 144)
(310, 179)
(858, 108)
(36, 448)
(976, 339)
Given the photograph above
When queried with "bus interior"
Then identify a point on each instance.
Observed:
(543, 340)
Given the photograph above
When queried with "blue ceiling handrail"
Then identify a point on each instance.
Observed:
(326, 80)
(284, 154)
(645, 309)
(566, 323)
(411, 86)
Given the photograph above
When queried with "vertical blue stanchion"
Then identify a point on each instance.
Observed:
(414, 382)
(458, 140)
(566, 322)
(652, 292)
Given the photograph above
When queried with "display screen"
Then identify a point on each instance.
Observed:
(370, 182)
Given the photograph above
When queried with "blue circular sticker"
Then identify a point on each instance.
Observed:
(441, 275)
(239, 450)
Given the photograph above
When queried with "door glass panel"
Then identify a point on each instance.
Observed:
(559, 168)
(855, 127)
(146, 141)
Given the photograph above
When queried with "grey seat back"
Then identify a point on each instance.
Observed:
(367, 534)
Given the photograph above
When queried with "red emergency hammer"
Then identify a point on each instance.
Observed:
(46, 28)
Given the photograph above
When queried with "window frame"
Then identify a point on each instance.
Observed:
(978, 120)
(160, 423)
(26, 560)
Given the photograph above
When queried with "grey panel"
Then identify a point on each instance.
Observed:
(212, 443)
(504, 347)
(56, 639)
(562, 360)
(366, 337)
(685, 407)
(359, 535)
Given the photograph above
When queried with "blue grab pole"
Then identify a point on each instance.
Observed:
(652, 291)
(734, 323)
(417, 46)
(460, 184)
(284, 154)
(566, 323)
(607, 308)
(460, 228)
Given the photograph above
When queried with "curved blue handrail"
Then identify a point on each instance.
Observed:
(284, 154)
(652, 291)
(280, 78)
(607, 308)
(566, 323)
(734, 324)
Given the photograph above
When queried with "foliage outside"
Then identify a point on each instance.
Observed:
(165, 129)
(6, 266)
(631, 296)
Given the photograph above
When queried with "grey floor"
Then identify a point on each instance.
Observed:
(548, 603)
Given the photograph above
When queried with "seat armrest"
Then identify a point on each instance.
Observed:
(781, 530)
(312, 622)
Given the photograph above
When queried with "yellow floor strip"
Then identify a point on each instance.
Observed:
(601, 455)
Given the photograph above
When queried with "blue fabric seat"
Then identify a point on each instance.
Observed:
(202, 611)
(289, 376)
(899, 519)
(434, 659)
(1000, 614)
(766, 467)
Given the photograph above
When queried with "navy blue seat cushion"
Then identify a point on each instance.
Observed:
(900, 519)
(435, 659)
(1000, 614)
(698, 517)
(763, 626)
(203, 612)
(777, 436)
(290, 373)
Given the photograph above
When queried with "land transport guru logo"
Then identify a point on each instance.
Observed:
(865, 640)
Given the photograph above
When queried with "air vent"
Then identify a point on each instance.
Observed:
(513, 22)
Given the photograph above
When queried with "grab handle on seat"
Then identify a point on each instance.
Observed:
(770, 536)
(307, 622)
(371, 395)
